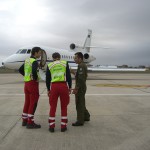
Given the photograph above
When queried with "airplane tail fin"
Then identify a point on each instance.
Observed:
(87, 42)
(86, 47)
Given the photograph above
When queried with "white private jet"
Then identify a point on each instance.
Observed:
(16, 60)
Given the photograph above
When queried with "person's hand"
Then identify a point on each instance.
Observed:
(72, 71)
(74, 91)
(48, 93)
(70, 91)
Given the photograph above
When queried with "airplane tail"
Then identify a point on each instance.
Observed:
(87, 42)
(86, 47)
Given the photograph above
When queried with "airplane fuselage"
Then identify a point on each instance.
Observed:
(16, 60)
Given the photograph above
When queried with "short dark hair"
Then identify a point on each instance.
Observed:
(55, 55)
(79, 55)
(35, 50)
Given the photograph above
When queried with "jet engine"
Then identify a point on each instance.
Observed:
(72, 46)
(88, 58)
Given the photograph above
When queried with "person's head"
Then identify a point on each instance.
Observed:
(78, 58)
(36, 52)
(56, 56)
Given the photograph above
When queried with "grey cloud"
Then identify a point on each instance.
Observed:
(121, 25)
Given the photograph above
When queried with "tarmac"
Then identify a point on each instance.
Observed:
(119, 104)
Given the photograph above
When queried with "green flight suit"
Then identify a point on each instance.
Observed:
(81, 76)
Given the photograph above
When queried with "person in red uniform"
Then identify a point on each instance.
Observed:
(31, 88)
(57, 77)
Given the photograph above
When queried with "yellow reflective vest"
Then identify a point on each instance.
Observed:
(28, 69)
(58, 71)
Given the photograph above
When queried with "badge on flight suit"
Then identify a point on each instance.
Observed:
(80, 71)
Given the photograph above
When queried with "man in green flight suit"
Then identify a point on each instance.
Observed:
(80, 90)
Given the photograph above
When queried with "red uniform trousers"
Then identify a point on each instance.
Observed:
(31, 90)
(58, 89)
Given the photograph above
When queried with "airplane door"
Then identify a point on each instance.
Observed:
(43, 59)
(43, 66)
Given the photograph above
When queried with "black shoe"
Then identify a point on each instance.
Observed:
(33, 126)
(51, 130)
(63, 129)
(24, 123)
(87, 119)
(77, 124)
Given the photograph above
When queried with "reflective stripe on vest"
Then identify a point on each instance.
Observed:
(28, 69)
(58, 71)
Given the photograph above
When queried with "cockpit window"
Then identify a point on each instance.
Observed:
(18, 51)
(29, 51)
(23, 51)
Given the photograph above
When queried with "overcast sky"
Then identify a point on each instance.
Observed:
(122, 25)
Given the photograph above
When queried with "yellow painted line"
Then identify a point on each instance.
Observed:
(122, 85)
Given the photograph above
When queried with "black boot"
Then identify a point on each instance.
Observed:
(87, 119)
(24, 123)
(33, 126)
(63, 129)
(77, 124)
(51, 130)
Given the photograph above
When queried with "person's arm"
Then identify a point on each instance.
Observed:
(21, 70)
(48, 79)
(68, 76)
(34, 70)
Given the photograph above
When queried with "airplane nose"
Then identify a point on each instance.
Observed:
(12, 62)
(6, 63)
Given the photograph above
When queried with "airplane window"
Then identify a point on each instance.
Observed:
(23, 51)
(29, 51)
(18, 51)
